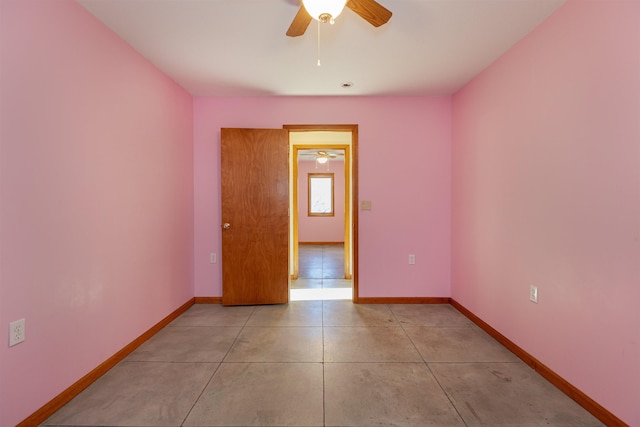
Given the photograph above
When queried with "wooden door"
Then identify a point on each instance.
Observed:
(255, 216)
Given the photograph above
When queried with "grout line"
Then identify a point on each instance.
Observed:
(244, 325)
(195, 402)
(426, 364)
(219, 364)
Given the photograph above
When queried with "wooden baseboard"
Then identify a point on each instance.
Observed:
(567, 388)
(63, 398)
(208, 300)
(403, 300)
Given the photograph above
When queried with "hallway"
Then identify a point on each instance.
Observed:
(321, 273)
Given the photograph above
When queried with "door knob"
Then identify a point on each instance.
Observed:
(226, 226)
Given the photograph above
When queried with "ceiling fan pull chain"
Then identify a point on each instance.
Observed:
(319, 43)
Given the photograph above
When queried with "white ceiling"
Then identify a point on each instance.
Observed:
(239, 47)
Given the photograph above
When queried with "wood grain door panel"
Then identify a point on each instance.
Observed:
(255, 204)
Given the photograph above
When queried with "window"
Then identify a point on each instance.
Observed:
(320, 194)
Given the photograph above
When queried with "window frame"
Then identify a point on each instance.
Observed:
(312, 175)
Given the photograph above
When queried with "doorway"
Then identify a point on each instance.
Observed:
(323, 260)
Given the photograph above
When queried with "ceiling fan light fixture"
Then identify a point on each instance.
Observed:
(322, 160)
(324, 10)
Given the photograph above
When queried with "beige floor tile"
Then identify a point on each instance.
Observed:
(346, 313)
(385, 394)
(272, 373)
(436, 315)
(138, 394)
(363, 344)
(302, 283)
(337, 283)
(310, 272)
(187, 344)
(261, 394)
(458, 345)
(277, 344)
(296, 313)
(214, 315)
(507, 394)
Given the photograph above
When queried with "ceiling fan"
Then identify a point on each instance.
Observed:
(323, 157)
(327, 10)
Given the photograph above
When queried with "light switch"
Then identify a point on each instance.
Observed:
(365, 205)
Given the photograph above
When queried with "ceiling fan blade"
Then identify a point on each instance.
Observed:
(300, 23)
(371, 11)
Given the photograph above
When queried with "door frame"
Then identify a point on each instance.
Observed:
(351, 195)
(347, 207)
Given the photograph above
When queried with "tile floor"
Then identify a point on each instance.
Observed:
(321, 261)
(321, 363)
(321, 274)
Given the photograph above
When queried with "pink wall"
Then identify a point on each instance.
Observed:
(107, 169)
(546, 192)
(96, 221)
(321, 228)
(404, 169)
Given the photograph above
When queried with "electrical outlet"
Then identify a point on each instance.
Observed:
(212, 258)
(412, 259)
(16, 332)
(533, 294)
